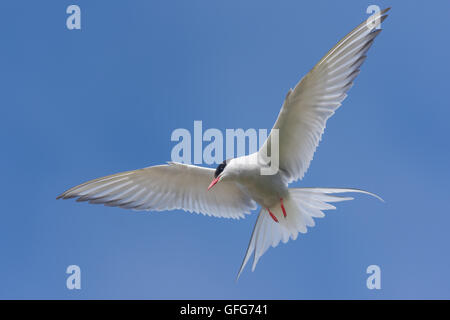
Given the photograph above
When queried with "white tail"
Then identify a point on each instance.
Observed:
(302, 205)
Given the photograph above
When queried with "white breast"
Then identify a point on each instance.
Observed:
(265, 189)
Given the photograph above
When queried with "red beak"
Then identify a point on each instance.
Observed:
(214, 182)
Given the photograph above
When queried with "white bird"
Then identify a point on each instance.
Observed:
(238, 183)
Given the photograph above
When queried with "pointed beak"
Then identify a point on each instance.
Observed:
(214, 182)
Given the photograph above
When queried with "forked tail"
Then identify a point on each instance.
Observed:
(301, 206)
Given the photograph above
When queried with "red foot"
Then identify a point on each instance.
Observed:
(272, 215)
(282, 207)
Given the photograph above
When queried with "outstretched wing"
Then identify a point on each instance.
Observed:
(316, 97)
(166, 187)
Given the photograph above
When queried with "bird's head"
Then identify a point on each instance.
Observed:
(219, 174)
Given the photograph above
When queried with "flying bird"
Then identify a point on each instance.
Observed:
(237, 185)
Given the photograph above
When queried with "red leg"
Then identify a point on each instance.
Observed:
(273, 216)
(282, 207)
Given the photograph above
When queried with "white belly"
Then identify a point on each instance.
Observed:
(266, 190)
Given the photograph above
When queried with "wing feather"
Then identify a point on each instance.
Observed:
(306, 109)
(166, 187)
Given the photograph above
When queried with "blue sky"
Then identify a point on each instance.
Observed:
(80, 104)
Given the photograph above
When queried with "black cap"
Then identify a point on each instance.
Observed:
(220, 168)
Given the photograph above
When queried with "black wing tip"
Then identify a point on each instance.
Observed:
(383, 18)
(383, 13)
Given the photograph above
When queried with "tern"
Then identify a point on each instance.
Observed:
(237, 185)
